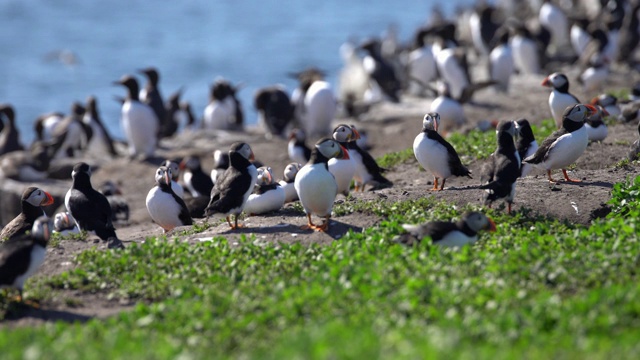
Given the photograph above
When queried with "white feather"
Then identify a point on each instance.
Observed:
(140, 126)
(317, 189)
(163, 208)
(271, 200)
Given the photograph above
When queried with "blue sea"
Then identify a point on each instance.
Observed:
(191, 42)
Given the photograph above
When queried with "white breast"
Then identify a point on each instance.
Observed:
(163, 208)
(187, 176)
(558, 103)
(525, 55)
(422, 66)
(37, 259)
(343, 171)
(566, 150)
(220, 114)
(579, 39)
(49, 124)
(432, 156)
(451, 71)
(320, 109)
(316, 188)
(177, 188)
(296, 153)
(594, 78)
(140, 126)
(361, 176)
(554, 19)
(597, 134)
(501, 65)
(289, 191)
(456, 239)
(271, 200)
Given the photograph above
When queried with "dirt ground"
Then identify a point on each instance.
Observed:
(391, 127)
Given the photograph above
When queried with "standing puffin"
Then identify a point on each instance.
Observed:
(32, 201)
(596, 128)
(435, 154)
(526, 144)
(151, 95)
(503, 168)
(275, 110)
(315, 104)
(224, 111)
(139, 122)
(296, 148)
(501, 65)
(287, 182)
(71, 136)
(196, 181)
(267, 195)
(560, 98)
(449, 109)
(165, 207)
(316, 186)
(89, 207)
(564, 146)
(233, 187)
(21, 257)
(175, 175)
(345, 168)
(447, 233)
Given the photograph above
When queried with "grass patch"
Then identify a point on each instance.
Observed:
(396, 158)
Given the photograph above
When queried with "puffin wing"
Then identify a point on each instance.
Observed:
(455, 163)
(437, 230)
(227, 193)
(12, 256)
(543, 151)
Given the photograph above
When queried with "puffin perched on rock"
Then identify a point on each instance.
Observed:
(526, 144)
(21, 257)
(446, 233)
(560, 98)
(267, 196)
(316, 186)
(435, 154)
(503, 168)
(167, 209)
(233, 187)
(89, 207)
(566, 145)
(287, 182)
(32, 201)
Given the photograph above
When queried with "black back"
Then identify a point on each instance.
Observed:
(228, 192)
(276, 107)
(184, 216)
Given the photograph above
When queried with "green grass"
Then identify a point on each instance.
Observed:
(536, 288)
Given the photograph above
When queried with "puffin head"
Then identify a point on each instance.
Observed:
(507, 127)
(579, 112)
(62, 221)
(265, 176)
(174, 167)
(243, 149)
(81, 169)
(431, 121)
(523, 128)
(330, 148)
(37, 197)
(297, 135)
(556, 80)
(345, 133)
(163, 175)
(129, 82)
(151, 73)
(291, 171)
(478, 221)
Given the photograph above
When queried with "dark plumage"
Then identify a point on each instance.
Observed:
(9, 135)
(165, 207)
(151, 96)
(447, 233)
(275, 109)
(381, 71)
(503, 168)
(195, 180)
(32, 201)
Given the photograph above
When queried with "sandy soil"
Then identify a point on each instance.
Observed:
(392, 127)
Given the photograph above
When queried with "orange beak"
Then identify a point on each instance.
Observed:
(355, 132)
(546, 82)
(593, 101)
(252, 157)
(492, 225)
(592, 109)
(48, 200)
(345, 153)
(167, 179)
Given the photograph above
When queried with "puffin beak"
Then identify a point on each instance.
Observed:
(435, 126)
(546, 82)
(269, 179)
(492, 225)
(345, 153)
(292, 136)
(356, 133)
(252, 157)
(592, 109)
(593, 101)
(66, 218)
(340, 153)
(167, 179)
(48, 200)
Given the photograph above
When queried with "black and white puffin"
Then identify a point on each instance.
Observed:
(167, 209)
(224, 111)
(32, 201)
(151, 95)
(100, 142)
(267, 195)
(139, 122)
(566, 145)
(196, 181)
(173, 119)
(275, 110)
(71, 136)
(21, 257)
(45, 124)
(528, 48)
(64, 224)
(343, 169)
(381, 74)
(315, 104)
(596, 128)
(233, 187)
(119, 205)
(503, 168)
(175, 176)
(556, 22)
(9, 135)
(560, 98)
(526, 144)
(316, 186)
(448, 233)
(89, 207)
(435, 154)
(297, 148)
(220, 164)
(483, 24)
(287, 182)
(609, 103)
(634, 152)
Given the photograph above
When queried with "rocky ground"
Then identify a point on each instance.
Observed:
(391, 127)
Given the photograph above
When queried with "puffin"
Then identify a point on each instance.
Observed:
(449, 109)
(173, 121)
(196, 181)
(556, 22)
(151, 95)
(23, 256)
(503, 168)
(368, 172)
(579, 35)
(9, 135)
(634, 151)
(453, 70)
(267, 195)
(233, 187)
(435, 154)
(89, 207)
(119, 205)
(224, 111)
(564, 146)
(501, 65)
(316, 186)
(315, 104)
(287, 182)
(446, 233)
(528, 54)
(596, 128)
(275, 111)
(64, 224)
(595, 75)
(296, 148)
(483, 25)
(45, 125)
(526, 144)
(167, 209)
(353, 80)
(609, 103)
(345, 168)
(71, 136)
(421, 66)
(139, 122)
(560, 98)
(220, 164)
(31, 202)
(175, 175)
(382, 75)
(100, 142)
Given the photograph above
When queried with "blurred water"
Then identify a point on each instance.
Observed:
(191, 42)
